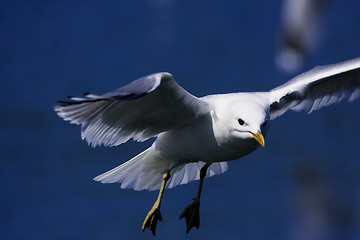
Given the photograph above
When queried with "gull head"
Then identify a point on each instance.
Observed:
(246, 120)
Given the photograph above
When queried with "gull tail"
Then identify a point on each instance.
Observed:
(145, 171)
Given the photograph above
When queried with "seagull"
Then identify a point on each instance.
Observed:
(302, 27)
(195, 136)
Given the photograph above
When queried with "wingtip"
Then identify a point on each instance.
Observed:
(163, 75)
(100, 178)
(97, 179)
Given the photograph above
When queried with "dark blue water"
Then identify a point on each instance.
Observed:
(304, 185)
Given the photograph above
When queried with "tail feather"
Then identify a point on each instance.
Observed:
(144, 172)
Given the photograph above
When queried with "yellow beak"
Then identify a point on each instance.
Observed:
(259, 138)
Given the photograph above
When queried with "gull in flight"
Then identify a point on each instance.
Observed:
(195, 136)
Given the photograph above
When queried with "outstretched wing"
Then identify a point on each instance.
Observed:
(316, 88)
(139, 110)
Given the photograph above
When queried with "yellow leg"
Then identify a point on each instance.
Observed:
(191, 212)
(154, 214)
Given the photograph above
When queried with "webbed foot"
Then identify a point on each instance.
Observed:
(154, 214)
(191, 215)
(151, 219)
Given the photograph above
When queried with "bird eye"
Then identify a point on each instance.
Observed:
(241, 122)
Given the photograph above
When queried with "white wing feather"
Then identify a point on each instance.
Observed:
(316, 88)
(139, 110)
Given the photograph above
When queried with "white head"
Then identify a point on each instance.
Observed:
(243, 120)
(250, 120)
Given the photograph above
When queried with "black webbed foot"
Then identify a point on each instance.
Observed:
(191, 215)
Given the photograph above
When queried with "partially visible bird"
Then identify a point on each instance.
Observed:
(195, 136)
(302, 27)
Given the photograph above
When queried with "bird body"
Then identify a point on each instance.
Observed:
(208, 138)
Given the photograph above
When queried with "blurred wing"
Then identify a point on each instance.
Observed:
(316, 88)
(139, 110)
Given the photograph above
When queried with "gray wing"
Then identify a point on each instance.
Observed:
(139, 110)
(316, 88)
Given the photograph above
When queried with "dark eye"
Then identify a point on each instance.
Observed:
(241, 122)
